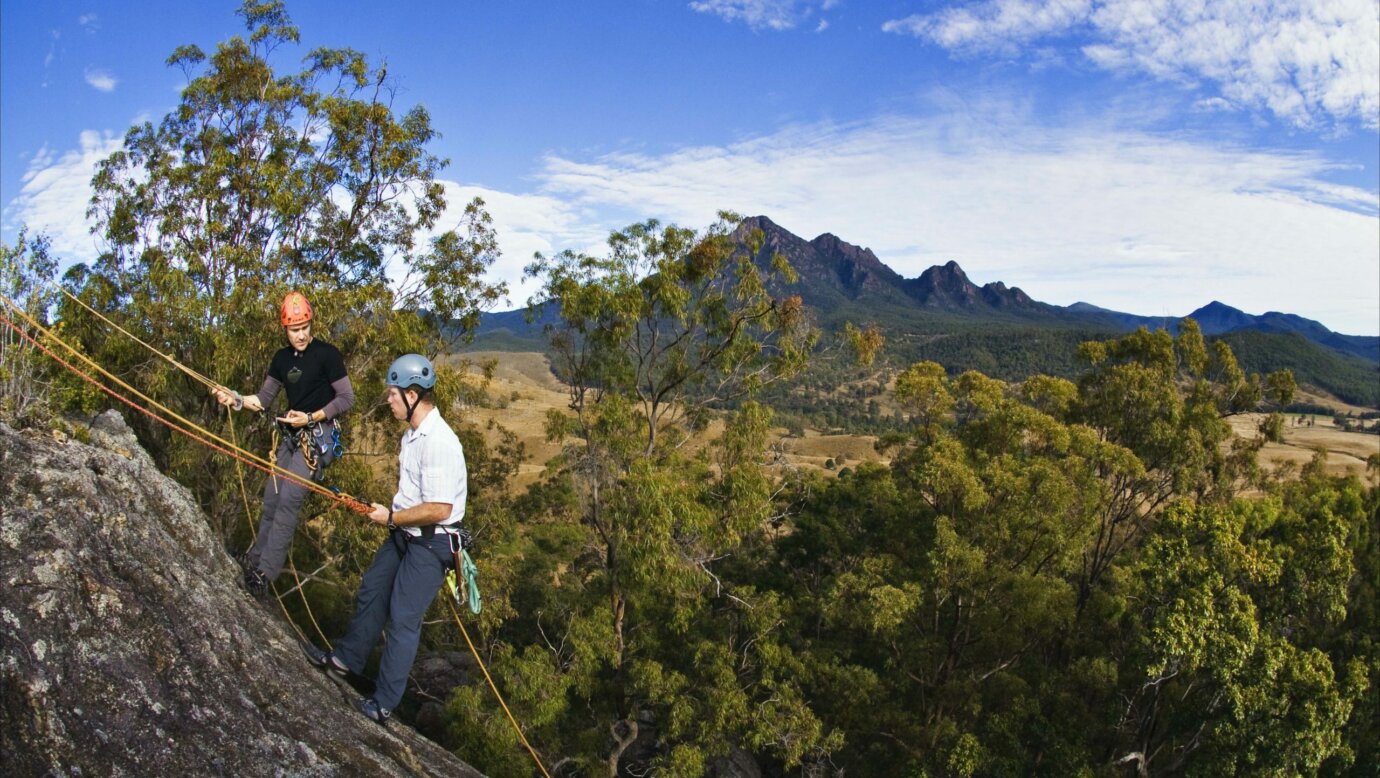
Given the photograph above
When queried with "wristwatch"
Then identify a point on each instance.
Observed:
(391, 525)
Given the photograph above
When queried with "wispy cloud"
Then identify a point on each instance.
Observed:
(52, 52)
(1309, 63)
(1117, 217)
(89, 22)
(56, 190)
(765, 14)
(1102, 212)
(995, 24)
(101, 80)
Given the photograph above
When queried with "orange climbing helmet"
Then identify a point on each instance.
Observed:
(296, 310)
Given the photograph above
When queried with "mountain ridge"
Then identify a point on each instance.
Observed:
(946, 288)
(941, 315)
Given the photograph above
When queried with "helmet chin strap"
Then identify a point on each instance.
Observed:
(411, 407)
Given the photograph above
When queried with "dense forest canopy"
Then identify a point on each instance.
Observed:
(1061, 575)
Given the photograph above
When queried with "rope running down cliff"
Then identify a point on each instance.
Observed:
(211, 440)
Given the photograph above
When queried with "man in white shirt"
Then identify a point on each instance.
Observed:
(423, 524)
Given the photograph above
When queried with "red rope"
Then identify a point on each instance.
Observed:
(351, 502)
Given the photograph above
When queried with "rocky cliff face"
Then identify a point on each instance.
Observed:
(834, 272)
(129, 648)
(831, 271)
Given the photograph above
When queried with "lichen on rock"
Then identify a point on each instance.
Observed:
(130, 649)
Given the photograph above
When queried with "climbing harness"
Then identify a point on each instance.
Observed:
(312, 440)
(171, 419)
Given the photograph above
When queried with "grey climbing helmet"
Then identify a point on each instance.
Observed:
(411, 370)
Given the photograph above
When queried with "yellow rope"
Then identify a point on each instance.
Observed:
(497, 696)
(253, 536)
(302, 592)
(244, 495)
(195, 375)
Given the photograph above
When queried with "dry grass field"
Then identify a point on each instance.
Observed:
(1346, 451)
(523, 389)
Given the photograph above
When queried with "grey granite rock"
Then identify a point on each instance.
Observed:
(129, 649)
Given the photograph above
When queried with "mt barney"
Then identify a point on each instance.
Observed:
(842, 282)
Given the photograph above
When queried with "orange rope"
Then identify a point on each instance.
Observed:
(191, 429)
(240, 455)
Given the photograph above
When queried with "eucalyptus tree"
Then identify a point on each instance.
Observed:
(1236, 661)
(1166, 398)
(28, 380)
(967, 609)
(931, 595)
(645, 633)
(261, 180)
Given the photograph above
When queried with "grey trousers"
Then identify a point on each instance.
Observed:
(394, 595)
(282, 501)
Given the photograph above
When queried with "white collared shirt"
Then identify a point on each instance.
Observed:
(431, 468)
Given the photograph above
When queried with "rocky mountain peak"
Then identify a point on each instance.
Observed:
(129, 647)
(830, 268)
(1216, 318)
(947, 286)
(944, 286)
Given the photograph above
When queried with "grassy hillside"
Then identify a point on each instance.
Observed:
(1008, 348)
(1352, 379)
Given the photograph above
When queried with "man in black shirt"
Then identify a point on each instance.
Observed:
(312, 373)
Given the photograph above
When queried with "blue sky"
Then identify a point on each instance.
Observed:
(1143, 155)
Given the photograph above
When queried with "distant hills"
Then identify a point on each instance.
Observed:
(1001, 330)
(835, 273)
(1219, 319)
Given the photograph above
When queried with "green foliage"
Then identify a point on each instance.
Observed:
(1026, 590)
(258, 182)
(26, 376)
(1234, 676)
(647, 632)
(1350, 378)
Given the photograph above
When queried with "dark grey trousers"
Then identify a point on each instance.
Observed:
(394, 595)
(282, 501)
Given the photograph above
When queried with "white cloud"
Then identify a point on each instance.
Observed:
(1112, 216)
(993, 24)
(764, 14)
(101, 80)
(52, 52)
(1101, 213)
(55, 193)
(1309, 62)
(527, 224)
(89, 22)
